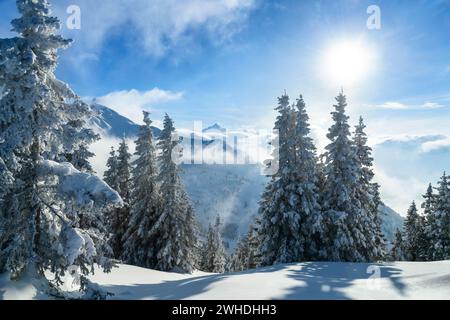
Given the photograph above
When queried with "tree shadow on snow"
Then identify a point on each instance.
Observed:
(315, 281)
(328, 281)
(167, 290)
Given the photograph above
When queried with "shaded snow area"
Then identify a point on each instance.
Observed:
(302, 281)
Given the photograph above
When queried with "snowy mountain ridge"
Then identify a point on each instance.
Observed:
(107, 122)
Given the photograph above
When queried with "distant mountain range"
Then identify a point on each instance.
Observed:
(231, 191)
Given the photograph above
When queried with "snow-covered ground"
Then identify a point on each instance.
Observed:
(401, 280)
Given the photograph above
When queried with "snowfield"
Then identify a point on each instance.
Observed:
(302, 281)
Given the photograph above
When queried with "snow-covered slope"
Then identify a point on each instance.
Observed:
(109, 123)
(391, 221)
(302, 281)
(231, 191)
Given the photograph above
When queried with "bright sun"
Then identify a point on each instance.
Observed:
(346, 63)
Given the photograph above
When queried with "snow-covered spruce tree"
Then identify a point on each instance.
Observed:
(344, 214)
(306, 183)
(414, 234)
(6, 182)
(369, 198)
(41, 121)
(245, 255)
(138, 247)
(236, 261)
(110, 176)
(80, 157)
(438, 223)
(398, 248)
(119, 218)
(252, 239)
(214, 256)
(174, 231)
(280, 239)
(380, 240)
(429, 202)
(428, 206)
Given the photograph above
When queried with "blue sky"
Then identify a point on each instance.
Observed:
(227, 60)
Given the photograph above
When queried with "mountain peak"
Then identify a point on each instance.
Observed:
(215, 127)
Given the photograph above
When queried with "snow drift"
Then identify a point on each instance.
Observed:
(301, 281)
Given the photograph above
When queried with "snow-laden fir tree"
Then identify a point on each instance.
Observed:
(6, 182)
(414, 234)
(280, 238)
(42, 121)
(174, 228)
(138, 247)
(344, 214)
(124, 170)
(398, 247)
(306, 186)
(111, 176)
(369, 198)
(236, 262)
(245, 255)
(428, 206)
(380, 240)
(119, 218)
(438, 223)
(213, 253)
(429, 202)
(80, 157)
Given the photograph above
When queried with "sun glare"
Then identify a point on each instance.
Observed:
(347, 63)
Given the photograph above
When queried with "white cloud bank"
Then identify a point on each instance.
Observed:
(131, 103)
(402, 106)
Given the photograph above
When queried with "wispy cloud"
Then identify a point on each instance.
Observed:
(131, 103)
(403, 106)
(157, 26)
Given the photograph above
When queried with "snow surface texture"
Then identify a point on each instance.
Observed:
(302, 281)
(231, 191)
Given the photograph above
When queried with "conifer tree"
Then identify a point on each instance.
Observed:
(214, 256)
(438, 222)
(239, 256)
(380, 240)
(306, 184)
(6, 183)
(119, 218)
(80, 157)
(369, 198)
(345, 218)
(41, 121)
(111, 174)
(174, 230)
(428, 206)
(398, 248)
(144, 201)
(281, 241)
(429, 197)
(413, 234)
(245, 256)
